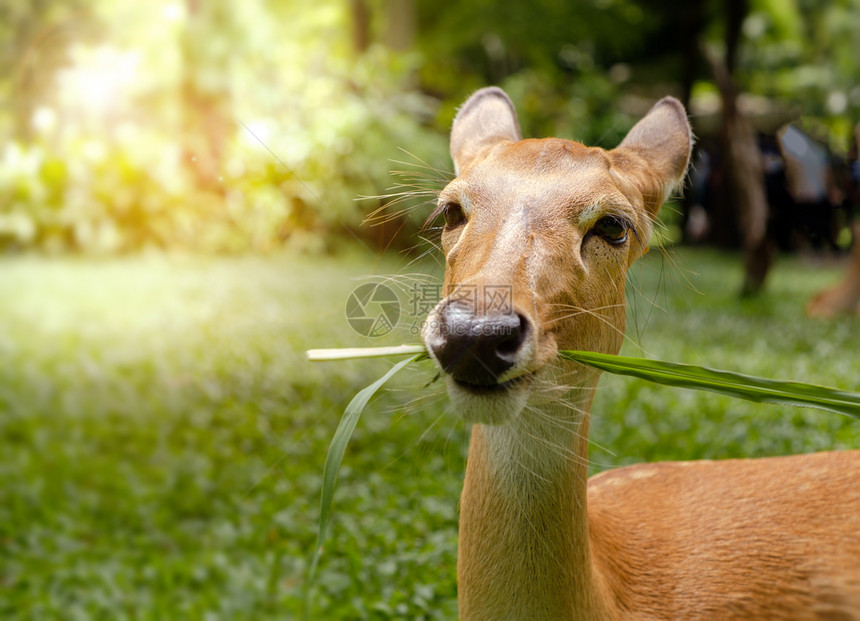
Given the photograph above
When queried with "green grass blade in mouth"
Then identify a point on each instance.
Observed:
(334, 457)
(350, 353)
(738, 385)
(758, 389)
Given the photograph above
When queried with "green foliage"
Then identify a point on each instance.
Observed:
(234, 131)
(805, 54)
(232, 127)
(565, 65)
(162, 435)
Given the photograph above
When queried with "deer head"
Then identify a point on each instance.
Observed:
(538, 238)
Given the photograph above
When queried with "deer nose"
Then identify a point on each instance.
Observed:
(477, 349)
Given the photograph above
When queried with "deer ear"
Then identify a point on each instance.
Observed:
(487, 118)
(655, 153)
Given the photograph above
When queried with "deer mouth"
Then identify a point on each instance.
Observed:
(494, 389)
(494, 404)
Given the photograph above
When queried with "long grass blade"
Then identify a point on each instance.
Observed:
(349, 353)
(334, 457)
(751, 388)
(758, 389)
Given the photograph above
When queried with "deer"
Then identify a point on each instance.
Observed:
(558, 224)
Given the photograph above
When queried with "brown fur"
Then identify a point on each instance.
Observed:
(775, 538)
(739, 539)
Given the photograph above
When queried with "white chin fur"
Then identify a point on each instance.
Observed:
(495, 408)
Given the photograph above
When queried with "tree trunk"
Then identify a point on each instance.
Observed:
(400, 33)
(207, 122)
(741, 160)
(744, 176)
(360, 14)
(36, 42)
(692, 24)
(736, 12)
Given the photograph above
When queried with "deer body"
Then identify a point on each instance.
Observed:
(558, 224)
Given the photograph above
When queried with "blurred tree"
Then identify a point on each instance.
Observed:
(400, 31)
(745, 189)
(804, 54)
(742, 160)
(206, 88)
(360, 14)
(35, 39)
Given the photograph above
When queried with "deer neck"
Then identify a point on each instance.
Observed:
(524, 551)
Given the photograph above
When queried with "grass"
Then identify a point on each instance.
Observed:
(162, 436)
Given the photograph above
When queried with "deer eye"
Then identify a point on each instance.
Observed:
(612, 229)
(454, 215)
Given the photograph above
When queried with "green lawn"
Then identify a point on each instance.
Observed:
(162, 436)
